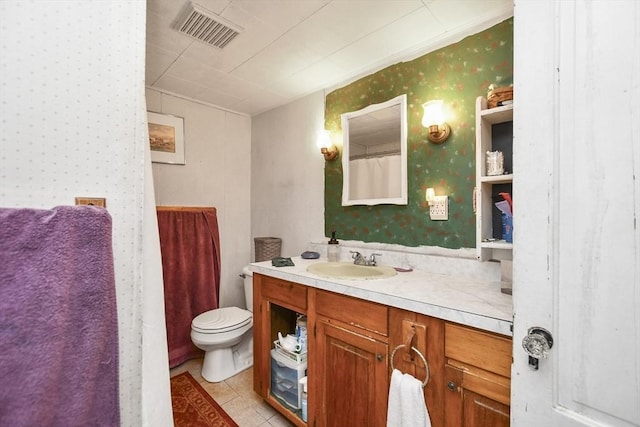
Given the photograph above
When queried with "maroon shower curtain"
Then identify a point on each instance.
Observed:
(190, 246)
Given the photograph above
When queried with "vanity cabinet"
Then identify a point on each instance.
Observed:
(348, 362)
(477, 377)
(494, 132)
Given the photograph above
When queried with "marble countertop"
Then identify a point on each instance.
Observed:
(480, 304)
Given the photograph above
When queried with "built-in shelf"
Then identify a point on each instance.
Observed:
(497, 179)
(498, 244)
(493, 116)
(488, 219)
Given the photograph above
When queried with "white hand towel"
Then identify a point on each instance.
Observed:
(414, 408)
(406, 402)
(394, 409)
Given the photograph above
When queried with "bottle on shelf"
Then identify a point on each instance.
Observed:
(303, 386)
(301, 332)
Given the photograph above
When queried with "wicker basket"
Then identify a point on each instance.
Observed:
(499, 95)
(267, 248)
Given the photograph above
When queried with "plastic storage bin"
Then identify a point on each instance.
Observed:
(285, 377)
(289, 355)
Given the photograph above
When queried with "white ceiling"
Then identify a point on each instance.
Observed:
(291, 48)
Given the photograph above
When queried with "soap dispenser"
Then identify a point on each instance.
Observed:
(333, 250)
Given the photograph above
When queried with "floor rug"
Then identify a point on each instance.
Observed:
(193, 407)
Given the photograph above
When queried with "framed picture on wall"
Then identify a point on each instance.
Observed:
(166, 138)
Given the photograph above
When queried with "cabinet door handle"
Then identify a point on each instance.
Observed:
(451, 386)
(379, 357)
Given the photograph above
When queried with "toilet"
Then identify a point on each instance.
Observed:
(226, 336)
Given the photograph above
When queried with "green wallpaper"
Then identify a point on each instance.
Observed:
(457, 74)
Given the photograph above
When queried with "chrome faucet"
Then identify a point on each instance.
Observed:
(358, 259)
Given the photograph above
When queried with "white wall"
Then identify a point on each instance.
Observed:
(287, 176)
(216, 173)
(73, 123)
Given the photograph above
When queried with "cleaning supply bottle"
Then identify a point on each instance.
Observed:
(301, 332)
(333, 250)
(303, 383)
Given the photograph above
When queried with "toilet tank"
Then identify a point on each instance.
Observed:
(248, 287)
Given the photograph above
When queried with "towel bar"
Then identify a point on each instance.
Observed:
(426, 365)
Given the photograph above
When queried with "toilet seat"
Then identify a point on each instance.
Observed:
(221, 320)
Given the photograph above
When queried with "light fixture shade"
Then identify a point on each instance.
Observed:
(433, 113)
(328, 150)
(433, 119)
(324, 139)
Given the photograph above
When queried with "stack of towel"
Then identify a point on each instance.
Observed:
(407, 407)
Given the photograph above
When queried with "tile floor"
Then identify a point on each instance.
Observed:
(237, 398)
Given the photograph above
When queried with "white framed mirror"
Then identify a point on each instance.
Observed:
(374, 154)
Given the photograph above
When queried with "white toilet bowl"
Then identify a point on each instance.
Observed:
(226, 336)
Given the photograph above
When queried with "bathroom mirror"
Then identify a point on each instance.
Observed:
(374, 156)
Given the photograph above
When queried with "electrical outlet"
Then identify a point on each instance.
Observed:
(439, 209)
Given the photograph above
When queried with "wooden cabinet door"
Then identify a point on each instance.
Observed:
(466, 408)
(477, 377)
(453, 398)
(428, 339)
(351, 378)
(480, 411)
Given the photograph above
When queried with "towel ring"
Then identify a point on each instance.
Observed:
(426, 365)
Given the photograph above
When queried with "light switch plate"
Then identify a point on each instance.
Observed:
(92, 201)
(439, 209)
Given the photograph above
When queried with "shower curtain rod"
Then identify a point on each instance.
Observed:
(374, 155)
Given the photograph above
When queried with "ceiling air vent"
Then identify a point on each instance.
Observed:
(201, 24)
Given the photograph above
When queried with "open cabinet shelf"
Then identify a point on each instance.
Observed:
(494, 131)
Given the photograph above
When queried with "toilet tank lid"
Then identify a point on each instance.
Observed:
(246, 271)
(226, 318)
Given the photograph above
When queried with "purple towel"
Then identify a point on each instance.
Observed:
(58, 324)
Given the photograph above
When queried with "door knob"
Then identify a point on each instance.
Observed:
(537, 344)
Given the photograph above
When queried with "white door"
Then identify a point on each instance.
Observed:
(577, 211)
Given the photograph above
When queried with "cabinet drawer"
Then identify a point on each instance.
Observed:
(353, 311)
(289, 294)
(481, 349)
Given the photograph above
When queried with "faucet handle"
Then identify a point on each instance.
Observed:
(372, 259)
(355, 254)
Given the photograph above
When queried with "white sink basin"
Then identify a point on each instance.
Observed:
(350, 271)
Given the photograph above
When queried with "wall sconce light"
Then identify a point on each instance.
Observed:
(438, 205)
(433, 119)
(328, 150)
